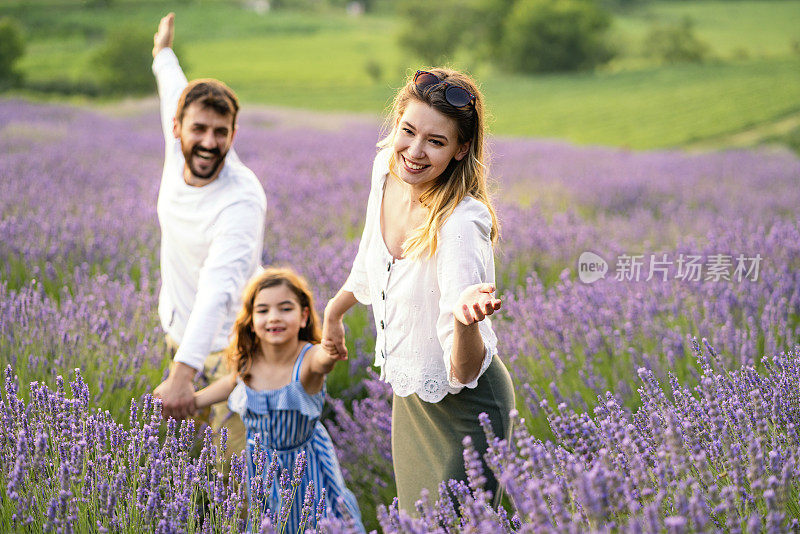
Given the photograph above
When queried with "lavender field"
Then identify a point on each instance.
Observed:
(624, 422)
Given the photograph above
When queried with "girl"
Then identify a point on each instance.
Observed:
(278, 389)
(425, 263)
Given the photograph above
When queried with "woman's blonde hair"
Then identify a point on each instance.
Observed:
(245, 342)
(466, 177)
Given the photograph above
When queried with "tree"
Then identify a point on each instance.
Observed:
(619, 5)
(488, 27)
(522, 35)
(675, 43)
(123, 61)
(433, 30)
(555, 35)
(12, 46)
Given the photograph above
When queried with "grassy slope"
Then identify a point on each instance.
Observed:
(318, 62)
(661, 107)
(764, 28)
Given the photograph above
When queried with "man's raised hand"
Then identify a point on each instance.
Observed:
(166, 32)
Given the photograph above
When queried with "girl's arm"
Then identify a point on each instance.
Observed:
(216, 392)
(316, 366)
(332, 325)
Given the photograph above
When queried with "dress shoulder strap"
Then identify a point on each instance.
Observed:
(296, 370)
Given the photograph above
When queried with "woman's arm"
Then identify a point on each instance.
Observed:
(332, 325)
(474, 304)
(465, 275)
(216, 392)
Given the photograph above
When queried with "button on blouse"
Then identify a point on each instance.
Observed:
(412, 300)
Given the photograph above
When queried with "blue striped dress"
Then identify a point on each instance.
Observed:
(287, 420)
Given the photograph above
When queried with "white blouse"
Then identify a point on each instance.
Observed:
(412, 300)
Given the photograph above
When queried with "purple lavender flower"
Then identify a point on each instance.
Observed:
(710, 438)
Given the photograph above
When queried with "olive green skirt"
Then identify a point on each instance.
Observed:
(427, 437)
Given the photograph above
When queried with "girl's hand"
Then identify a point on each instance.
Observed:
(475, 303)
(333, 337)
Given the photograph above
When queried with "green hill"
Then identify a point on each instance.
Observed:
(330, 61)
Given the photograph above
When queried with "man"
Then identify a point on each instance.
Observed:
(212, 214)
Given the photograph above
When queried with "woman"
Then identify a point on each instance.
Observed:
(425, 263)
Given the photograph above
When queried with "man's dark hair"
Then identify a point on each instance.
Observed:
(211, 94)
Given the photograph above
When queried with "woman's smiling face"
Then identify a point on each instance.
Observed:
(425, 142)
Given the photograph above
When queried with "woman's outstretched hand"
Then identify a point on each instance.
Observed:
(333, 337)
(475, 303)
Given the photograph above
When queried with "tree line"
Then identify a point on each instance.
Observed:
(525, 36)
(533, 36)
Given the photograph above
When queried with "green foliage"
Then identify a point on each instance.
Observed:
(489, 17)
(675, 43)
(123, 61)
(433, 30)
(12, 46)
(790, 139)
(374, 70)
(65, 87)
(620, 5)
(556, 36)
(524, 35)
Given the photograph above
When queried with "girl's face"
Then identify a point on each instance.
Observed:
(425, 142)
(277, 315)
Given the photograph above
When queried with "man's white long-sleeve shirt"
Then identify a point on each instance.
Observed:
(211, 236)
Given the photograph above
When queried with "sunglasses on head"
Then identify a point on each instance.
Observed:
(455, 95)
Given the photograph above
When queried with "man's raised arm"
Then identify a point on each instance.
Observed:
(177, 392)
(169, 76)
